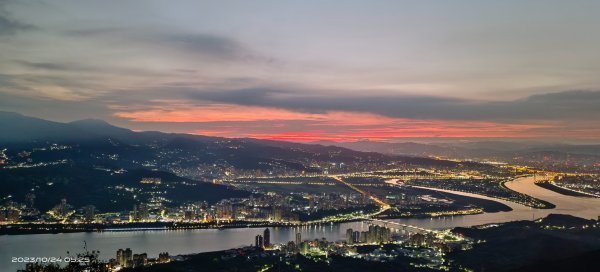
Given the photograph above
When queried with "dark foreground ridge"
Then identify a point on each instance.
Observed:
(519, 246)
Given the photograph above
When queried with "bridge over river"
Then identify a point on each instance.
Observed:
(398, 226)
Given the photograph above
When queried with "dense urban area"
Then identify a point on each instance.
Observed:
(127, 181)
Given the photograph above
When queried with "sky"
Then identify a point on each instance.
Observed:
(309, 70)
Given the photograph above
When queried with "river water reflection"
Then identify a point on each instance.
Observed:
(153, 242)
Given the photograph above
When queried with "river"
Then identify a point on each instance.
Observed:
(584, 207)
(193, 241)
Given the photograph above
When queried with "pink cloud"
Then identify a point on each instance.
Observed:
(282, 124)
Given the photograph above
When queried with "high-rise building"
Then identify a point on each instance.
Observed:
(141, 212)
(258, 241)
(375, 234)
(371, 234)
(363, 237)
(417, 239)
(62, 209)
(128, 257)
(189, 215)
(388, 235)
(125, 257)
(298, 238)
(89, 212)
(163, 257)
(291, 247)
(121, 257)
(140, 260)
(144, 211)
(349, 238)
(267, 237)
(304, 248)
(10, 214)
(277, 214)
(356, 237)
(30, 199)
(135, 213)
(224, 210)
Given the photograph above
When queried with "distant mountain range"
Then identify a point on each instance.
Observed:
(84, 160)
(247, 153)
(94, 140)
(87, 161)
(470, 149)
(541, 155)
(20, 129)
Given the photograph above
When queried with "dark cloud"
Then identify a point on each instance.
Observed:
(91, 32)
(203, 44)
(563, 105)
(216, 46)
(47, 65)
(51, 109)
(10, 26)
(91, 68)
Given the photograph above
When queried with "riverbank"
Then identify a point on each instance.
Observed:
(550, 186)
(541, 204)
(462, 202)
(584, 207)
(55, 228)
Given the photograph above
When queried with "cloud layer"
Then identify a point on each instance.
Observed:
(566, 105)
(300, 71)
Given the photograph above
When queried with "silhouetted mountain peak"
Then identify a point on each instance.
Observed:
(98, 126)
(104, 129)
(91, 122)
(10, 114)
(21, 128)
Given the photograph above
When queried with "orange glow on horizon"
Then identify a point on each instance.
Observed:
(213, 113)
(235, 121)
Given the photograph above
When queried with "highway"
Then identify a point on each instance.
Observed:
(384, 206)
